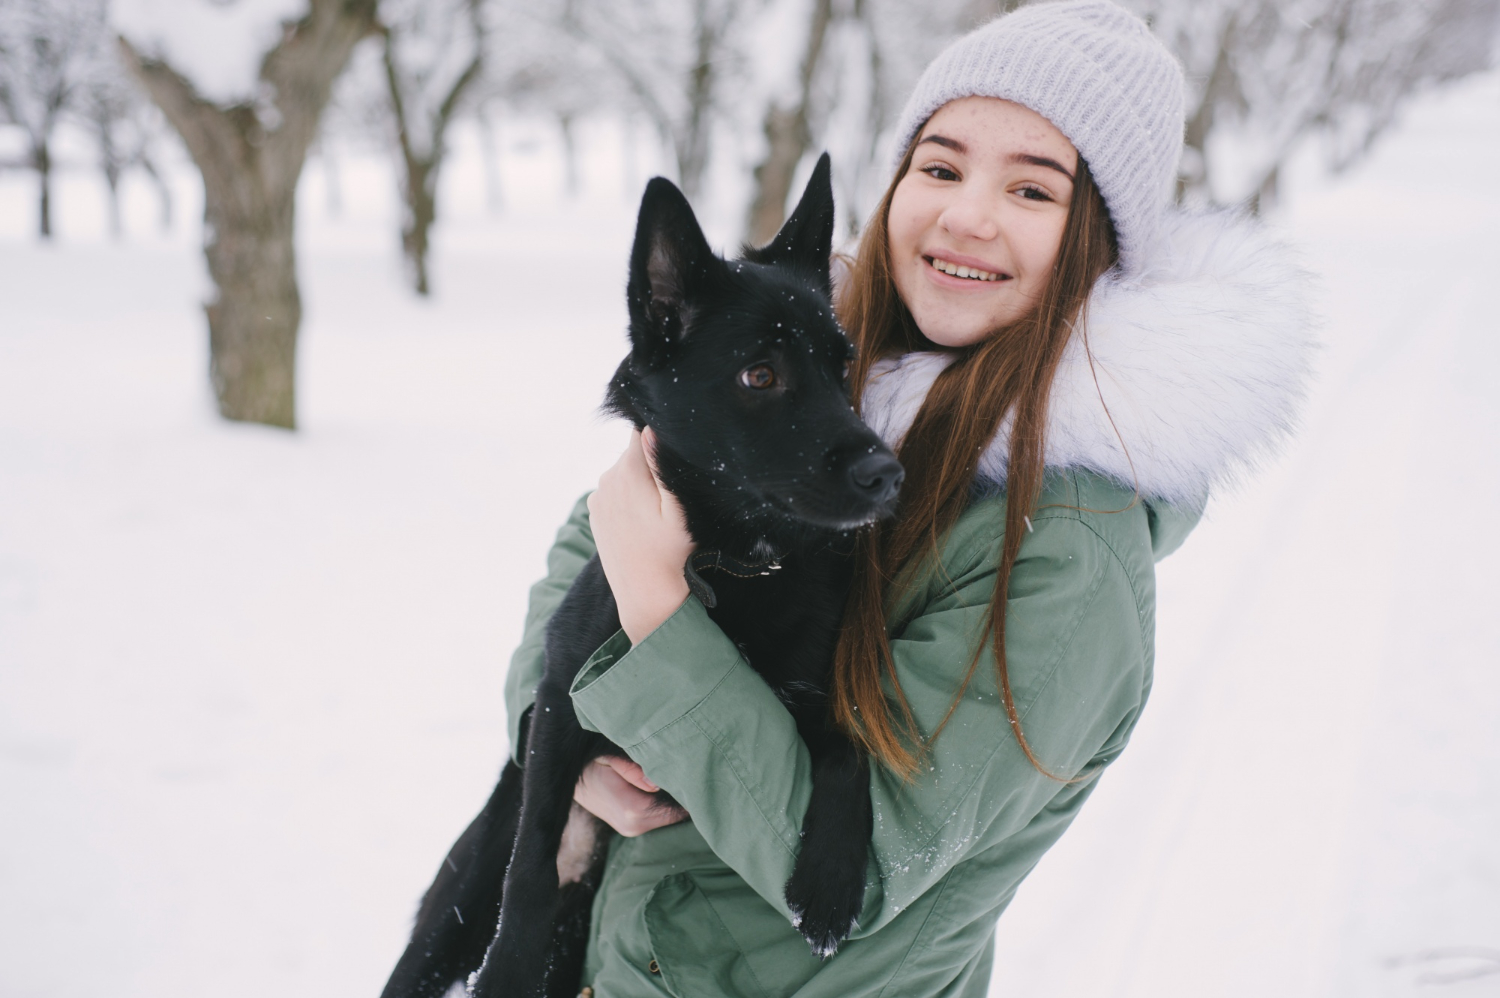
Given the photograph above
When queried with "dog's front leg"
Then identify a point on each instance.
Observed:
(518, 962)
(455, 921)
(827, 887)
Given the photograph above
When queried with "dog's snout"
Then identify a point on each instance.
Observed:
(877, 477)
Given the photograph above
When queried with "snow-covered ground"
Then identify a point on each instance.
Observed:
(250, 681)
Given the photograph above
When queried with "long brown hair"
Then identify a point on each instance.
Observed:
(1008, 374)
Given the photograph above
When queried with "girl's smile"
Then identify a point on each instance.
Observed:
(976, 222)
(964, 268)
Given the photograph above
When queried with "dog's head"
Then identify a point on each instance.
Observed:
(740, 368)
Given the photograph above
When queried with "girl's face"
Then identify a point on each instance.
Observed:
(976, 223)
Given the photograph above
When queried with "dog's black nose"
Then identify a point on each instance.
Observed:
(877, 477)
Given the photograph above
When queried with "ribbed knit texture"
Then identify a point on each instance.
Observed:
(1095, 71)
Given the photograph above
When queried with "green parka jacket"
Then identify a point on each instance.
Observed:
(696, 909)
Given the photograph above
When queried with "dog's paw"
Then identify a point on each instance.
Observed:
(824, 912)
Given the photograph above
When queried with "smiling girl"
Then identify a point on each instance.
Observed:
(1068, 366)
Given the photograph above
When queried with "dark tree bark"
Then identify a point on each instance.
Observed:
(250, 163)
(787, 137)
(1219, 90)
(692, 140)
(421, 166)
(572, 184)
(41, 159)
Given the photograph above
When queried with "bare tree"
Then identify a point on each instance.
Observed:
(536, 62)
(1264, 75)
(432, 57)
(673, 57)
(48, 50)
(251, 154)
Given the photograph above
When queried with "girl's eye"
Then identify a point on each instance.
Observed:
(759, 377)
(939, 172)
(1035, 194)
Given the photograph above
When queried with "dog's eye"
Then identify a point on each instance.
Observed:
(759, 377)
(845, 375)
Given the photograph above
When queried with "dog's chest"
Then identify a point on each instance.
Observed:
(785, 623)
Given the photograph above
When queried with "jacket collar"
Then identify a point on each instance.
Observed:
(1200, 364)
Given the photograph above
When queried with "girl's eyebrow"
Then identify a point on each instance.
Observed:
(1052, 164)
(1015, 157)
(946, 143)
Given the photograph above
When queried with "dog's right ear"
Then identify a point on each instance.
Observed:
(670, 263)
(805, 241)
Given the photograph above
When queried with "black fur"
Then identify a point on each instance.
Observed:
(767, 476)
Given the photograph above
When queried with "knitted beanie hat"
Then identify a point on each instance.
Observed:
(1097, 73)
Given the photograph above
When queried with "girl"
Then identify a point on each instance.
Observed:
(1068, 365)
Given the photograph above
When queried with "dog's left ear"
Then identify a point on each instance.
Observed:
(670, 264)
(806, 240)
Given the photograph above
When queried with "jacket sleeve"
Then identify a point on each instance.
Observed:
(571, 550)
(705, 727)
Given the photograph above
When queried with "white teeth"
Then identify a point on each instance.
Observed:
(969, 273)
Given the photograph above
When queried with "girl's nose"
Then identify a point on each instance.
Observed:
(970, 216)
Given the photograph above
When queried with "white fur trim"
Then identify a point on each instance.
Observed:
(1202, 358)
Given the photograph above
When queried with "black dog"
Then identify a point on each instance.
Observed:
(739, 367)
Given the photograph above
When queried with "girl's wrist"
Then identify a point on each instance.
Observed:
(651, 606)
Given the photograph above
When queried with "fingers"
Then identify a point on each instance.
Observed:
(642, 538)
(602, 791)
(635, 472)
(648, 450)
(669, 503)
(630, 772)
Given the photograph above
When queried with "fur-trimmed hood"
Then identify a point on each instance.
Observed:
(1200, 365)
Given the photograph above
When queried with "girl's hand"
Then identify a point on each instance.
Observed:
(616, 791)
(642, 539)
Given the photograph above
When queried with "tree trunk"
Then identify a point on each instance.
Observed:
(1264, 198)
(692, 140)
(419, 186)
(250, 169)
(1219, 88)
(420, 211)
(163, 192)
(787, 138)
(116, 224)
(254, 318)
(571, 184)
(42, 157)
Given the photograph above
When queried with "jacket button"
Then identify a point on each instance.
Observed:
(654, 967)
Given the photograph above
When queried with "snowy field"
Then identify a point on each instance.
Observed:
(250, 681)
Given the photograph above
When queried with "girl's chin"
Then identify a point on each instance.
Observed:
(953, 339)
(956, 331)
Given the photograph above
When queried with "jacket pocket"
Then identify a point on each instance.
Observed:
(712, 935)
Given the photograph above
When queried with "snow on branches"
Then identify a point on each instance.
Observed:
(1265, 74)
(217, 47)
